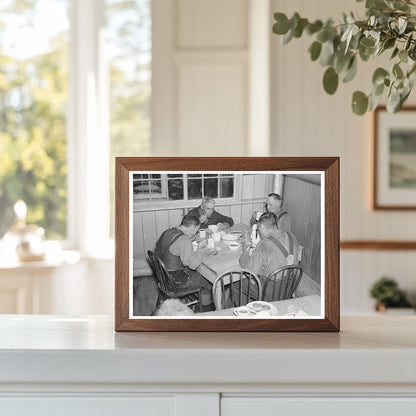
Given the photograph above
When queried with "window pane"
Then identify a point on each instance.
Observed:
(129, 54)
(227, 188)
(211, 187)
(210, 175)
(175, 189)
(194, 188)
(175, 175)
(33, 100)
(194, 175)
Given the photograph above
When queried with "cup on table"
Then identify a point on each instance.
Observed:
(195, 245)
(211, 243)
(202, 233)
(213, 228)
(216, 237)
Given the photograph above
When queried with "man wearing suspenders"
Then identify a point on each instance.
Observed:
(276, 248)
(274, 205)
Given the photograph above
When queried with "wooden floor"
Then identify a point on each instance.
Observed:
(144, 295)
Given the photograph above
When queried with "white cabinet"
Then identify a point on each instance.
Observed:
(53, 365)
(324, 406)
(88, 406)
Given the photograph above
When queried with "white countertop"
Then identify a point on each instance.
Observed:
(53, 349)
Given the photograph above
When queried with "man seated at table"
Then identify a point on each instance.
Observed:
(274, 204)
(275, 249)
(208, 216)
(174, 248)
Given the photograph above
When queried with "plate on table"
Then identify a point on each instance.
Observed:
(259, 307)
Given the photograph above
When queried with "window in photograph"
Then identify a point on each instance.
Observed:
(177, 186)
(149, 186)
(33, 105)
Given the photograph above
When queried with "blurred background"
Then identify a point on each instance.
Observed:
(83, 81)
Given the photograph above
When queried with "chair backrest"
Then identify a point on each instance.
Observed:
(282, 283)
(163, 278)
(235, 288)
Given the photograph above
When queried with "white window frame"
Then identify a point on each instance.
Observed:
(88, 139)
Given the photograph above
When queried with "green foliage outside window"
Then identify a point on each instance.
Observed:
(33, 99)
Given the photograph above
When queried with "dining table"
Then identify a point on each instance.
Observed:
(295, 307)
(221, 258)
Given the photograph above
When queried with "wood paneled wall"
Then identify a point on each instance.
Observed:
(302, 200)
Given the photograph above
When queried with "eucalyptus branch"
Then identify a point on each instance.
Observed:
(388, 25)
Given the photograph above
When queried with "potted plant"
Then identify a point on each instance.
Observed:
(387, 294)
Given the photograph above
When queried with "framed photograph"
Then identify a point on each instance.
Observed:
(227, 244)
(394, 180)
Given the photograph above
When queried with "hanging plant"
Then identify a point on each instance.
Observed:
(388, 27)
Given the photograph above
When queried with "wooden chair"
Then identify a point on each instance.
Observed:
(282, 283)
(235, 288)
(191, 296)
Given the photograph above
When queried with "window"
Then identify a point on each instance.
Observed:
(33, 112)
(129, 57)
(177, 186)
(75, 88)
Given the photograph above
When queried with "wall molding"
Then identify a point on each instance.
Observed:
(377, 245)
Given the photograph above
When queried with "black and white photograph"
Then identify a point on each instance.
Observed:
(226, 244)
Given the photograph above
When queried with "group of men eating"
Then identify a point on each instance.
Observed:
(277, 247)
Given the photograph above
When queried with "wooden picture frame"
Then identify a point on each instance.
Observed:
(394, 158)
(325, 167)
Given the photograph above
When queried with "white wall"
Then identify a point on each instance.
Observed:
(307, 122)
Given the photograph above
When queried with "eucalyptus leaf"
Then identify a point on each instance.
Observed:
(374, 102)
(330, 80)
(314, 27)
(288, 37)
(359, 103)
(350, 73)
(393, 101)
(315, 50)
(397, 71)
(379, 75)
(327, 53)
(403, 56)
(281, 26)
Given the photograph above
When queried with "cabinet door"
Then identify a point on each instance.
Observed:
(88, 406)
(272, 406)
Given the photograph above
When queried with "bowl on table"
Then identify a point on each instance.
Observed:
(234, 246)
(228, 238)
(213, 228)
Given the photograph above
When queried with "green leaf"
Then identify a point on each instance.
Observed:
(408, 42)
(281, 27)
(403, 56)
(288, 37)
(359, 103)
(374, 101)
(376, 4)
(315, 50)
(378, 89)
(351, 71)
(330, 80)
(393, 101)
(314, 27)
(395, 52)
(327, 53)
(397, 71)
(379, 75)
(389, 43)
